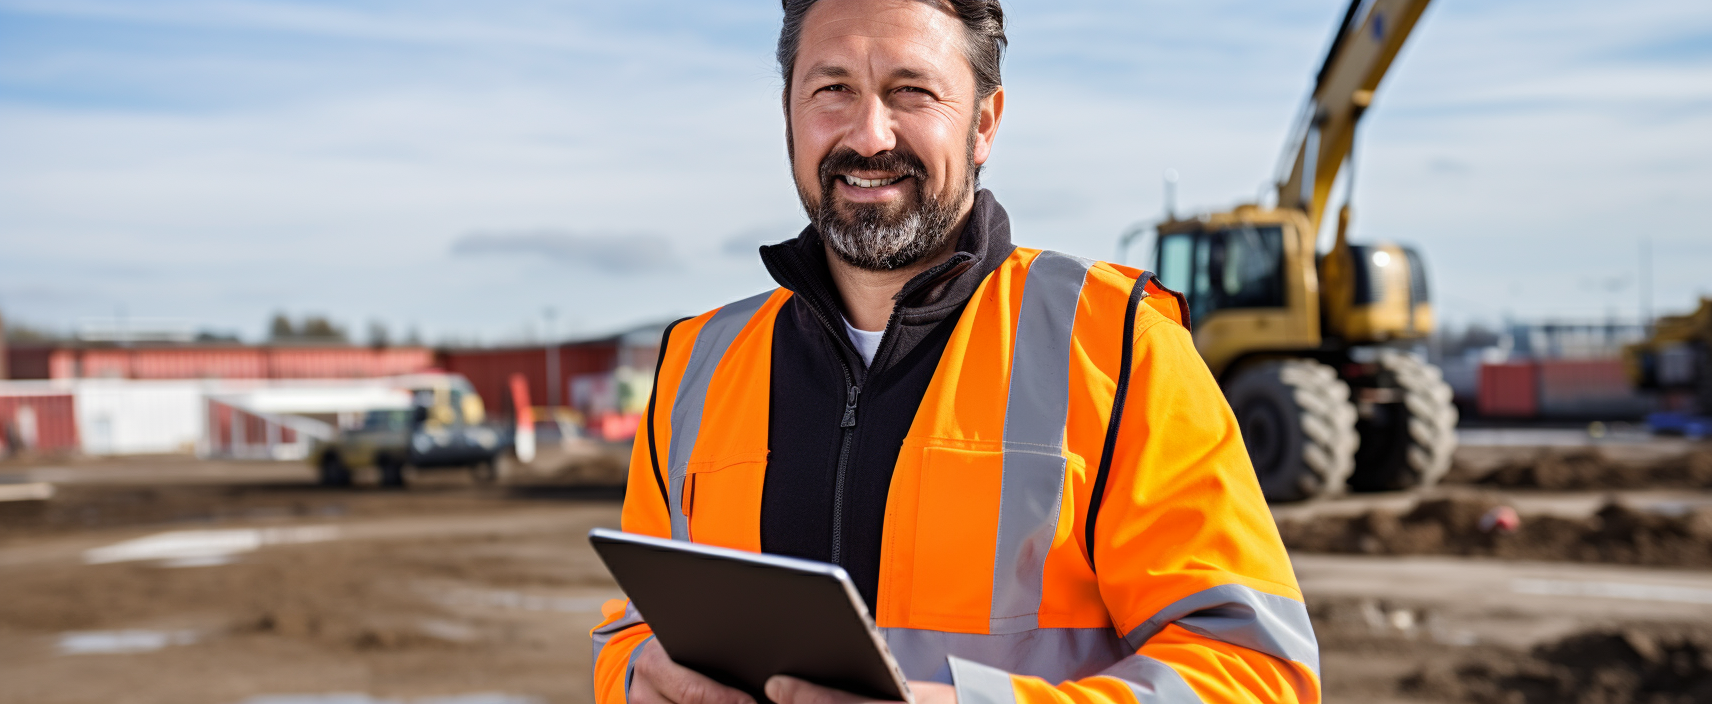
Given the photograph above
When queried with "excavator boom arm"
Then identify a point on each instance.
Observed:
(1372, 33)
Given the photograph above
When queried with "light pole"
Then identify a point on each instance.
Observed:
(552, 350)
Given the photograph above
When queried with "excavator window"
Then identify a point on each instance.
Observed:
(1241, 267)
(1417, 277)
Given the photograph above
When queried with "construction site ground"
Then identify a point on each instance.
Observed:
(170, 579)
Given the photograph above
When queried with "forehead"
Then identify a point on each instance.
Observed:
(920, 36)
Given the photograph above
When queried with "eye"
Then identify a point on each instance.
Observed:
(836, 87)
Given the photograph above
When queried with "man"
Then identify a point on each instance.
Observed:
(1017, 455)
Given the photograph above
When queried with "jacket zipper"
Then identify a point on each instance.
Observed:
(847, 437)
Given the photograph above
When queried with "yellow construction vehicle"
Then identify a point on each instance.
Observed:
(1677, 359)
(1305, 344)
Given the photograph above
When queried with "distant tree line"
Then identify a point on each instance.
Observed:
(320, 329)
(313, 328)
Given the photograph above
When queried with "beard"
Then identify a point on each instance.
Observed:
(886, 236)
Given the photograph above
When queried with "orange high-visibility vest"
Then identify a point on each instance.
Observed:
(988, 574)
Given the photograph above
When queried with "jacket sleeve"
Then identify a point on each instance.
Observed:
(1187, 557)
(621, 633)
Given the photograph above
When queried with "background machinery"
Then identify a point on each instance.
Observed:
(440, 424)
(1676, 361)
(1305, 344)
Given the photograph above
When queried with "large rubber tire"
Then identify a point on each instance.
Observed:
(333, 471)
(1407, 444)
(1298, 425)
(391, 472)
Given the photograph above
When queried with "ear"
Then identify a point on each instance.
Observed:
(990, 110)
(790, 139)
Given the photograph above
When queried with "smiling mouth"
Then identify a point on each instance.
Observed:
(871, 182)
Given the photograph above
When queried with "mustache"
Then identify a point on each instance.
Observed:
(844, 160)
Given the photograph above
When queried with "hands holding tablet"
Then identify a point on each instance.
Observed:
(658, 680)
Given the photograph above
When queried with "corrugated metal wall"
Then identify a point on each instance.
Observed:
(218, 362)
(1598, 388)
(490, 370)
(1558, 388)
(45, 422)
(27, 362)
(1509, 390)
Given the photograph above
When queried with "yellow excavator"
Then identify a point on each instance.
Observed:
(1309, 347)
(1676, 359)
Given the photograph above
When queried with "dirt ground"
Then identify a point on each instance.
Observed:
(452, 592)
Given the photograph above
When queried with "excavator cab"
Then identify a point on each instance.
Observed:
(1249, 276)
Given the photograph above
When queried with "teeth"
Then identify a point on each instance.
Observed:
(870, 182)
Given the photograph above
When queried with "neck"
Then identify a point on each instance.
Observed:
(869, 296)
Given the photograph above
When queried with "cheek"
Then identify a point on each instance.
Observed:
(941, 141)
(811, 140)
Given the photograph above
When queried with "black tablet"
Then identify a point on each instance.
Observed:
(741, 617)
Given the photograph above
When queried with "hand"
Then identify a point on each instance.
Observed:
(658, 680)
(790, 690)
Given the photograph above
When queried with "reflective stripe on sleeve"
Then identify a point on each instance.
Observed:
(1266, 623)
(1152, 681)
(605, 633)
(1052, 654)
(710, 345)
(1035, 412)
(979, 684)
(630, 669)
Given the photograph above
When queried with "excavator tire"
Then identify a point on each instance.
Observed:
(1407, 445)
(1299, 427)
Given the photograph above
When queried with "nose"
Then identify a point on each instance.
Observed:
(872, 131)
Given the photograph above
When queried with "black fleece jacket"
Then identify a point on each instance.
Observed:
(836, 427)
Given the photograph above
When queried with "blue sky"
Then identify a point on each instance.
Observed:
(460, 167)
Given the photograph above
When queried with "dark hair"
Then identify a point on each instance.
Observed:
(983, 26)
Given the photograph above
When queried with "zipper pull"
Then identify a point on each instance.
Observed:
(850, 408)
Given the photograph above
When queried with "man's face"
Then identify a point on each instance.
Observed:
(885, 128)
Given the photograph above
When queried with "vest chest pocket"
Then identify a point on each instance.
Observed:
(722, 500)
(985, 520)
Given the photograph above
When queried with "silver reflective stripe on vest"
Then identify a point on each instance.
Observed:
(979, 684)
(605, 633)
(1052, 654)
(1235, 614)
(710, 345)
(1152, 681)
(630, 669)
(1035, 411)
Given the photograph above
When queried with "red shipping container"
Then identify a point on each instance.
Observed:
(1588, 388)
(1509, 390)
(45, 422)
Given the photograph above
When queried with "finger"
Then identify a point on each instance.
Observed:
(676, 684)
(785, 689)
(642, 691)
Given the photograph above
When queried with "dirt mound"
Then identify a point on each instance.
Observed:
(1454, 526)
(1646, 663)
(1583, 468)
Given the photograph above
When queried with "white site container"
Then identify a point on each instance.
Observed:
(132, 417)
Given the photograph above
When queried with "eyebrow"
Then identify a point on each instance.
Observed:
(829, 71)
